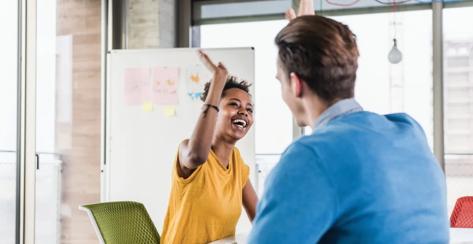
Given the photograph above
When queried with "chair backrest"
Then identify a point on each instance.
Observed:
(462, 215)
(122, 222)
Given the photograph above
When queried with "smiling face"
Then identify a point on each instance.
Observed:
(236, 115)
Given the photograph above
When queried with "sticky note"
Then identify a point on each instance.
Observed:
(135, 85)
(170, 111)
(164, 85)
(147, 107)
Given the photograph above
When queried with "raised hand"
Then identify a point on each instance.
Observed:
(306, 7)
(219, 71)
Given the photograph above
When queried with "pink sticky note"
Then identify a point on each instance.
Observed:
(164, 83)
(136, 80)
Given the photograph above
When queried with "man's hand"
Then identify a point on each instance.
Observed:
(306, 7)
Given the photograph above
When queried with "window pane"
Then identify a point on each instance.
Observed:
(383, 87)
(458, 102)
(8, 119)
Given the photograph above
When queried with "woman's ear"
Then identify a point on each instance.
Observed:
(296, 84)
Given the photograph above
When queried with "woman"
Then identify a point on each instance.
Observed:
(210, 180)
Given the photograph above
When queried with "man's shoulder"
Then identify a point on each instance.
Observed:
(302, 153)
(364, 116)
(305, 145)
(365, 122)
(401, 118)
(298, 164)
(334, 133)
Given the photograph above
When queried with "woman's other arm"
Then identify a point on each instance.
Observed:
(250, 200)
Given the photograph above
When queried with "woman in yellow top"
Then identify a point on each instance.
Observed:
(210, 180)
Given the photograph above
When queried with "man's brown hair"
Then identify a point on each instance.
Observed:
(323, 53)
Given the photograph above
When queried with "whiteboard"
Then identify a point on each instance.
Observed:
(144, 127)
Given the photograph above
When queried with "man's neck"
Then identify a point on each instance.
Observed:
(313, 107)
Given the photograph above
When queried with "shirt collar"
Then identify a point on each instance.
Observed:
(342, 107)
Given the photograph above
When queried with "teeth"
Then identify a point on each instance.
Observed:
(239, 122)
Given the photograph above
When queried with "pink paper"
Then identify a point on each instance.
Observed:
(136, 81)
(164, 83)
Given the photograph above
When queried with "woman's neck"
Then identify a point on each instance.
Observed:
(223, 150)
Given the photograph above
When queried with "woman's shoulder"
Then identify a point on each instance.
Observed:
(236, 153)
(238, 158)
(236, 150)
(240, 166)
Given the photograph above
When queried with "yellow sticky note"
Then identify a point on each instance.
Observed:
(170, 111)
(148, 107)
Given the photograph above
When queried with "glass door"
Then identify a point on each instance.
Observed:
(67, 119)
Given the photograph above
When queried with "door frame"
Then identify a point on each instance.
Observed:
(26, 127)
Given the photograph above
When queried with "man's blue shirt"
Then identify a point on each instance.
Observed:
(359, 178)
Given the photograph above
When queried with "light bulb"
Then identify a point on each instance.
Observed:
(395, 56)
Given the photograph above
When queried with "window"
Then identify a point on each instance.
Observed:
(458, 102)
(383, 87)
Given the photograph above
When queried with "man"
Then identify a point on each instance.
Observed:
(359, 177)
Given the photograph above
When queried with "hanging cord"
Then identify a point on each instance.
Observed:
(394, 18)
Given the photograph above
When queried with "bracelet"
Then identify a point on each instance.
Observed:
(211, 106)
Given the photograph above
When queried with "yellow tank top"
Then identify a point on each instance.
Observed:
(207, 205)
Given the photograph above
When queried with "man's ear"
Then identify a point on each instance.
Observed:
(296, 84)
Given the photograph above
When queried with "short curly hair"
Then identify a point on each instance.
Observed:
(232, 82)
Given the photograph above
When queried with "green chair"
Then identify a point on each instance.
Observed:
(122, 223)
